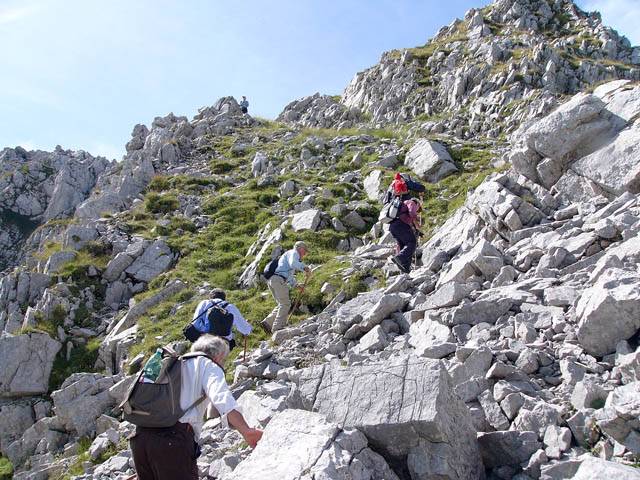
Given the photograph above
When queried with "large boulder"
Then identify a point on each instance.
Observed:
(299, 444)
(620, 418)
(157, 258)
(507, 448)
(616, 167)
(372, 185)
(593, 468)
(609, 311)
(430, 160)
(26, 363)
(82, 398)
(306, 220)
(483, 260)
(407, 409)
(15, 420)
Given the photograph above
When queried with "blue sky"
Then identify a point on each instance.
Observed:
(82, 73)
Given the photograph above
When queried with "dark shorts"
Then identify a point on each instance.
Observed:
(165, 453)
(244, 109)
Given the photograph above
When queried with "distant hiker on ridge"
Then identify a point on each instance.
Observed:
(244, 105)
(170, 453)
(214, 318)
(283, 277)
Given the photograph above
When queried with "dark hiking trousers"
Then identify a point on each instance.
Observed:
(165, 453)
(406, 239)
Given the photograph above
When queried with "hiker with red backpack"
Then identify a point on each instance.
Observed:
(217, 316)
(280, 274)
(405, 230)
(401, 213)
(169, 410)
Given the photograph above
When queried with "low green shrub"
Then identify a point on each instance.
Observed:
(156, 203)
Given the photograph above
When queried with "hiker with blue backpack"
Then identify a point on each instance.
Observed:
(168, 407)
(217, 317)
(280, 275)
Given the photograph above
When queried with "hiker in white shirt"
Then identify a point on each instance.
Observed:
(217, 295)
(171, 453)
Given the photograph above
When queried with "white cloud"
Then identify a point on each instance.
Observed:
(15, 13)
(622, 15)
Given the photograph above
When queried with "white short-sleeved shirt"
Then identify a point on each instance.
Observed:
(201, 375)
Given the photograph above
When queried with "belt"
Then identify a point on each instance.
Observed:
(281, 276)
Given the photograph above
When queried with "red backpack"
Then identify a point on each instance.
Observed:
(399, 186)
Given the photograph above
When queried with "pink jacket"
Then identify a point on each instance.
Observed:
(408, 212)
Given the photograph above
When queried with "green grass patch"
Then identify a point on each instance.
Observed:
(6, 468)
(157, 203)
(82, 359)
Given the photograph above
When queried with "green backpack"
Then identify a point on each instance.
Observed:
(157, 404)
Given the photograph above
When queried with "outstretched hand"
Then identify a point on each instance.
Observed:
(252, 436)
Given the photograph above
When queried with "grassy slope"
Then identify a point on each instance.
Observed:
(238, 210)
(216, 254)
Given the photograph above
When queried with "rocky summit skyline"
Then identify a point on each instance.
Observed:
(509, 351)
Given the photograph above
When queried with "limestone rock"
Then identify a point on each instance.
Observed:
(507, 448)
(27, 362)
(609, 312)
(592, 468)
(307, 220)
(298, 444)
(405, 407)
(430, 160)
(82, 398)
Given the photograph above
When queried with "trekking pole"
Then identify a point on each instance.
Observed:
(297, 302)
(244, 359)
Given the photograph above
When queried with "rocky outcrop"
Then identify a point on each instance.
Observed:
(407, 410)
(488, 72)
(430, 160)
(153, 151)
(38, 186)
(320, 111)
(298, 443)
(27, 363)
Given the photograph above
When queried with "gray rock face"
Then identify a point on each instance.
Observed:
(621, 416)
(298, 444)
(406, 408)
(609, 311)
(15, 420)
(507, 448)
(616, 167)
(372, 185)
(320, 111)
(307, 220)
(82, 398)
(27, 362)
(592, 468)
(156, 258)
(430, 160)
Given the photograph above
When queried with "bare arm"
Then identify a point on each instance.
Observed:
(251, 435)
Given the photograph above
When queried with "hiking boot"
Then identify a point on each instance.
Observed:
(399, 264)
(265, 326)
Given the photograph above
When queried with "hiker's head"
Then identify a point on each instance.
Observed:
(215, 348)
(301, 248)
(243, 97)
(218, 293)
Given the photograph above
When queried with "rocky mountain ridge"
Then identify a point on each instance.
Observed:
(483, 75)
(511, 351)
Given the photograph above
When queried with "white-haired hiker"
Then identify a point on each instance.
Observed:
(171, 453)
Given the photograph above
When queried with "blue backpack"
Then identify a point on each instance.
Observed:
(216, 320)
